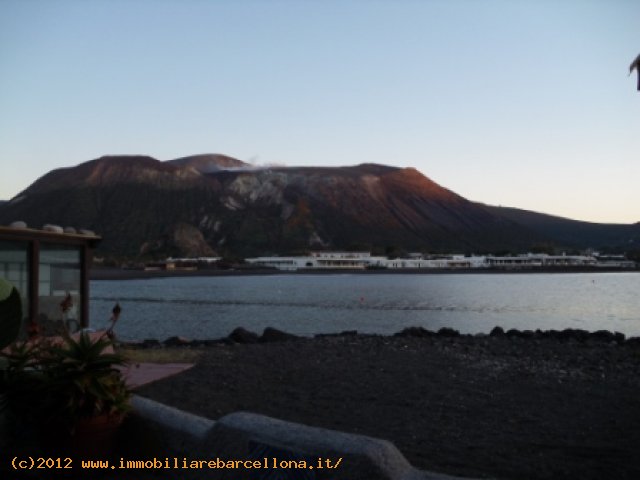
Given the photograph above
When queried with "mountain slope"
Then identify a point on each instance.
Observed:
(127, 199)
(136, 201)
(209, 163)
(565, 232)
(285, 209)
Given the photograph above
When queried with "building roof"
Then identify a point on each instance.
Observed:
(25, 233)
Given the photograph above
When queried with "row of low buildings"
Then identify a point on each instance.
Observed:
(364, 260)
(190, 263)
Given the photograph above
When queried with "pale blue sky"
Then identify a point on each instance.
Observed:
(515, 103)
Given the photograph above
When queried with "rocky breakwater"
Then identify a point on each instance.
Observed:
(569, 353)
(559, 354)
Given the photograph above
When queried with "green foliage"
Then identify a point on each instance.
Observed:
(86, 378)
(60, 383)
(22, 382)
(10, 313)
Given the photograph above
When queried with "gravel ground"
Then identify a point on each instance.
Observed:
(493, 406)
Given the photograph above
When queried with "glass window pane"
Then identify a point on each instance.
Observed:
(15, 269)
(59, 299)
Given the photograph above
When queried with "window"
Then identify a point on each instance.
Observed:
(15, 269)
(59, 289)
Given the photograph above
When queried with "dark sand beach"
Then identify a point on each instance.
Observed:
(112, 273)
(493, 406)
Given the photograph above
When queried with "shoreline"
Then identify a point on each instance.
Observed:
(114, 273)
(240, 335)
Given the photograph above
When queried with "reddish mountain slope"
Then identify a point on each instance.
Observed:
(135, 201)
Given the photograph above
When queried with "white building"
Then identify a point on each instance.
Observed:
(441, 261)
(326, 260)
(530, 260)
(364, 260)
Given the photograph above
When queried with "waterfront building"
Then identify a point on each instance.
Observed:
(321, 260)
(49, 267)
(532, 260)
(364, 260)
(186, 263)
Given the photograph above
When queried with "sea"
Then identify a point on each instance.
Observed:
(211, 307)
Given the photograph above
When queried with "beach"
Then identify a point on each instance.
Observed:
(98, 272)
(516, 406)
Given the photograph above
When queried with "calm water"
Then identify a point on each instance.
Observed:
(211, 307)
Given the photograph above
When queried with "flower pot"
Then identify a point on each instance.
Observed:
(90, 437)
(94, 437)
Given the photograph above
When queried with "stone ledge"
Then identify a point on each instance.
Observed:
(158, 430)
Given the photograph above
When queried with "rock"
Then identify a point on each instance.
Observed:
(527, 334)
(348, 333)
(633, 341)
(184, 239)
(497, 332)
(515, 333)
(603, 336)
(415, 332)
(344, 333)
(274, 335)
(52, 228)
(573, 334)
(176, 341)
(555, 334)
(242, 335)
(448, 332)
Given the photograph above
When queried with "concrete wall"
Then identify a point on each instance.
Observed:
(156, 430)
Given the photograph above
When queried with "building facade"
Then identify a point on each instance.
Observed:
(49, 268)
(364, 260)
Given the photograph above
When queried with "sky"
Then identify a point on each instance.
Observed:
(517, 103)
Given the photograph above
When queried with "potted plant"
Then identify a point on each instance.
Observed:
(68, 389)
